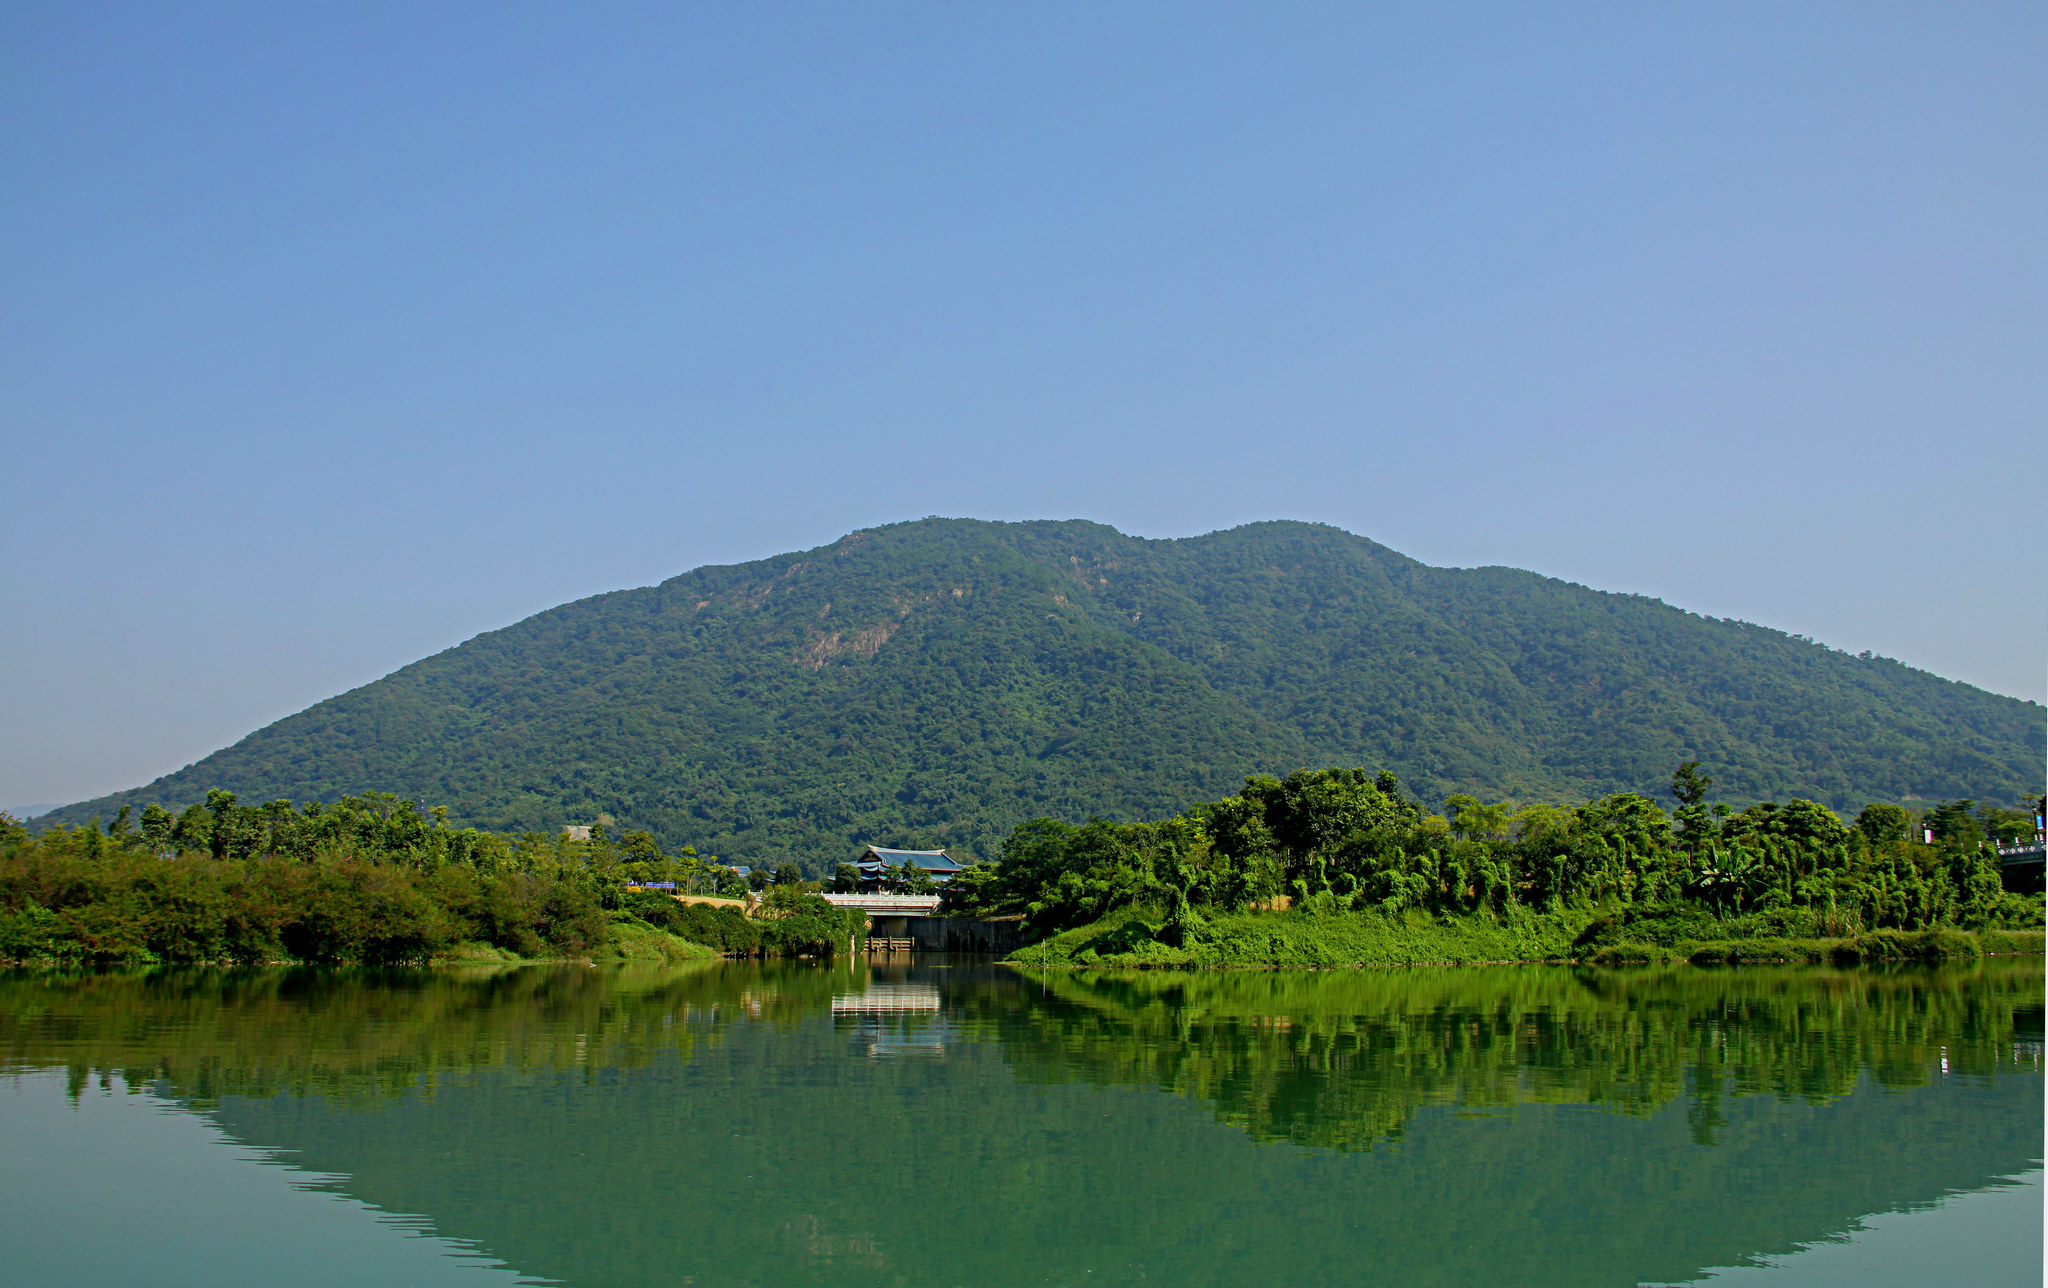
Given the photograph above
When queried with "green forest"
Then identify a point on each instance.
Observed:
(937, 683)
(374, 880)
(1365, 873)
(1333, 866)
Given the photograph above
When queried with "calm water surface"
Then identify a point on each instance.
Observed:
(957, 1123)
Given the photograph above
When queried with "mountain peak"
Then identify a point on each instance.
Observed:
(934, 682)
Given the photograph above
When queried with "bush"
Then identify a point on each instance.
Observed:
(1627, 953)
(789, 923)
(804, 925)
(2013, 941)
(726, 929)
(1734, 952)
(129, 908)
(634, 940)
(1940, 943)
(362, 913)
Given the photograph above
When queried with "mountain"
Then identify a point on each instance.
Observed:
(933, 683)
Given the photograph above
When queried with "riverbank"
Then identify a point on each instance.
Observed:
(1139, 938)
(1939, 944)
(628, 941)
(125, 908)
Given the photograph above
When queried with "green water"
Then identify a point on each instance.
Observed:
(961, 1124)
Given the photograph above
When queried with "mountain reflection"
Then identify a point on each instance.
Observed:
(783, 1123)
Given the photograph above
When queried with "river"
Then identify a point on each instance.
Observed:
(956, 1122)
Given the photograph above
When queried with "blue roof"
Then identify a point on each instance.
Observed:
(929, 860)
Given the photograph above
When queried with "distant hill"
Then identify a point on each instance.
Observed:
(933, 683)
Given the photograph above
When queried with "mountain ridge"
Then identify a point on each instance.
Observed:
(938, 680)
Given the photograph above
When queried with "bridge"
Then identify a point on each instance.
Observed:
(904, 923)
(888, 905)
(2020, 867)
(2020, 853)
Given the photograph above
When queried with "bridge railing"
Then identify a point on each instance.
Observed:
(888, 905)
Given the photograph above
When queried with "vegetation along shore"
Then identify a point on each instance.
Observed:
(374, 880)
(1342, 867)
(1322, 868)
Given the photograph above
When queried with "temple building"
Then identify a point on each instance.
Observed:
(875, 862)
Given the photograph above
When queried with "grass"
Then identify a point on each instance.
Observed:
(1131, 938)
(633, 940)
(628, 940)
(1942, 943)
(470, 952)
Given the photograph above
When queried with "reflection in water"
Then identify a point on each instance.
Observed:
(886, 999)
(736, 1124)
(895, 1019)
(116, 1189)
(1984, 1234)
(1342, 1059)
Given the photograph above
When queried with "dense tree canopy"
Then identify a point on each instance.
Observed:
(370, 879)
(938, 682)
(1339, 840)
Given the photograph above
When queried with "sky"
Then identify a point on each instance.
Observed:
(337, 334)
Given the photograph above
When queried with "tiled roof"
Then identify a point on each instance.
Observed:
(929, 860)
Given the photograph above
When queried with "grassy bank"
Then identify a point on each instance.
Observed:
(1134, 938)
(627, 941)
(1139, 938)
(1939, 944)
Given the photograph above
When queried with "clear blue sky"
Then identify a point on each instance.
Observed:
(337, 334)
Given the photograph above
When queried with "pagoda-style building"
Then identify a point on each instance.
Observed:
(875, 864)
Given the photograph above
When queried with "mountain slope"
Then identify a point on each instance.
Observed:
(935, 682)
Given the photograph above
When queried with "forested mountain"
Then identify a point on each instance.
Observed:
(934, 683)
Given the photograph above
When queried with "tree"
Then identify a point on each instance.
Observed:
(1461, 807)
(640, 847)
(789, 875)
(1883, 824)
(1475, 821)
(1033, 857)
(194, 830)
(973, 892)
(911, 879)
(2001, 825)
(1810, 825)
(158, 827)
(1635, 821)
(220, 804)
(1954, 823)
(1695, 822)
(1807, 825)
(1312, 810)
(279, 821)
